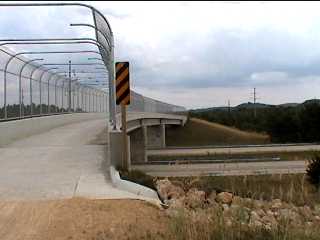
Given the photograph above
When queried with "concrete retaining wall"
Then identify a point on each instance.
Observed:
(18, 129)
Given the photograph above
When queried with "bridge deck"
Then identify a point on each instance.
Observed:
(63, 162)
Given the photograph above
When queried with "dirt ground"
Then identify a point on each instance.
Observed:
(80, 218)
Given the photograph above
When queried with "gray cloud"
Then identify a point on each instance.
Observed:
(222, 57)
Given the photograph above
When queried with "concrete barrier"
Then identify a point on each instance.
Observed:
(132, 187)
(18, 129)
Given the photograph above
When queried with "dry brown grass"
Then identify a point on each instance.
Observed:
(80, 219)
(211, 224)
(199, 132)
(84, 219)
(292, 188)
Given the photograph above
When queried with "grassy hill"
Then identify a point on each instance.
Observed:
(285, 123)
(199, 132)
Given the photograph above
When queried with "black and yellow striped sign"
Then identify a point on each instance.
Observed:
(122, 83)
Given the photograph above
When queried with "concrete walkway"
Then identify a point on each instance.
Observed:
(64, 162)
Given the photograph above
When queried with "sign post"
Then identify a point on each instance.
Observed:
(123, 99)
(125, 138)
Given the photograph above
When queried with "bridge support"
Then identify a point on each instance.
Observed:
(116, 149)
(146, 131)
(146, 137)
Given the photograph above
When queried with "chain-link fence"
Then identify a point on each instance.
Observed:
(31, 89)
(138, 102)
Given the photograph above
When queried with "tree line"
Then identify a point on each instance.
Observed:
(291, 124)
(13, 111)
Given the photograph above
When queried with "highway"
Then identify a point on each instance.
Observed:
(223, 169)
(234, 149)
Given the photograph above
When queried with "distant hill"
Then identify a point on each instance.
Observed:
(285, 123)
(289, 104)
(250, 105)
(209, 109)
(311, 101)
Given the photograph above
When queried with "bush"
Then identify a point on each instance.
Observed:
(313, 170)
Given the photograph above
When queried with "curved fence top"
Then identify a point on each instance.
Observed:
(34, 88)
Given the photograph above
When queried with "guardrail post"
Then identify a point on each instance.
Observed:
(145, 142)
(163, 134)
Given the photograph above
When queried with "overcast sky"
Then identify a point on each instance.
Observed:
(200, 54)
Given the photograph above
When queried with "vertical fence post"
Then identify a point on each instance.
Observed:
(69, 97)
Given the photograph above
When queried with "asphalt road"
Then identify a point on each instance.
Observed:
(221, 169)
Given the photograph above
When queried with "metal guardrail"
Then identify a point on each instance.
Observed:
(64, 85)
(205, 161)
(238, 146)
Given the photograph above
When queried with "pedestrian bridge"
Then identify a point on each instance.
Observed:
(67, 155)
(60, 129)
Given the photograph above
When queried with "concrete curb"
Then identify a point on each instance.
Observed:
(139, 190)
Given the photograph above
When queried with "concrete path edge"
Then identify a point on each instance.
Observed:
(131, 186)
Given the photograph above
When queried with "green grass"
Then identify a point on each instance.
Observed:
(198, 132)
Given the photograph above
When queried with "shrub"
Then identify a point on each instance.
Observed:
(313, 170)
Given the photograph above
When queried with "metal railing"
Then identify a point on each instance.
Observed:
(37, 86)
(84, 94)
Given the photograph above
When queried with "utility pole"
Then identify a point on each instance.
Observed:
(254, 102)
(22, 96)
(69, 103)
(229, 112)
